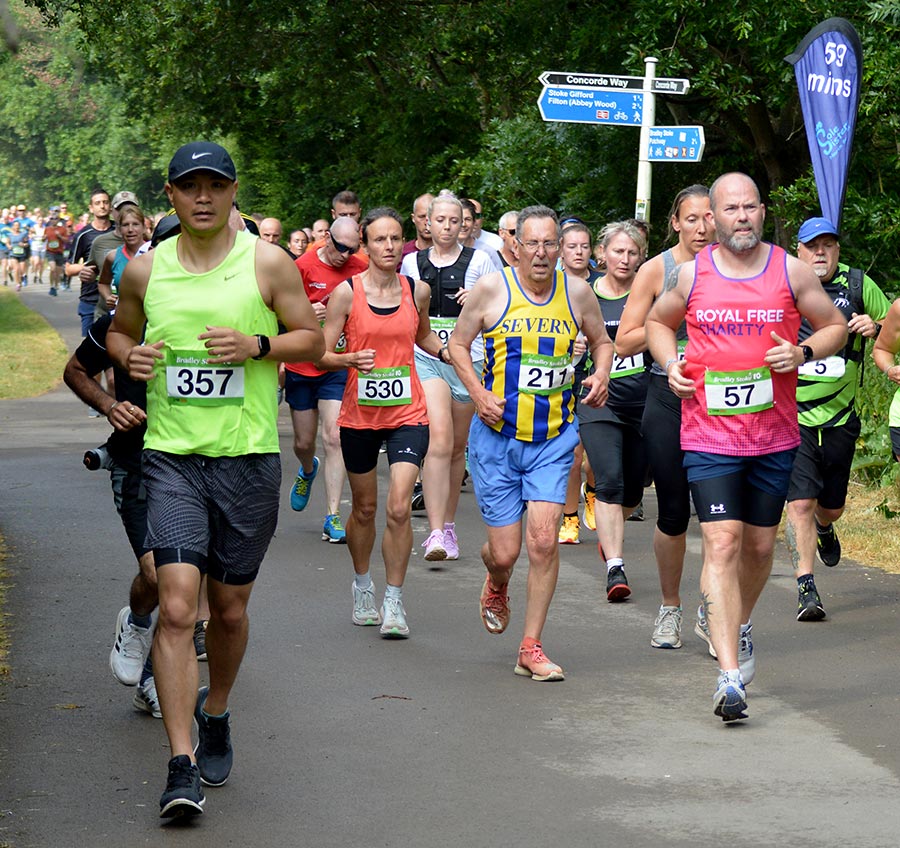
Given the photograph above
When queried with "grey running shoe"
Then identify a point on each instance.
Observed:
(701, 628)
(146, 699)
(667, 628)
(183, 795)
(213, 752)
(809, 604)
(730, 700)
(365, 613)
(393, 616)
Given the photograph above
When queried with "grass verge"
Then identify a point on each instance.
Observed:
(869, 530)
(32, 354)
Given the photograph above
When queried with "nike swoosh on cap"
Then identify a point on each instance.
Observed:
(198, 155)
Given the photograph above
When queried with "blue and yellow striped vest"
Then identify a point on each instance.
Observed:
(528, 361)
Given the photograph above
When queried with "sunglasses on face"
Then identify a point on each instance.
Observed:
(340, 248)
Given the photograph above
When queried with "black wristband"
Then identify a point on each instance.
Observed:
(264, 346)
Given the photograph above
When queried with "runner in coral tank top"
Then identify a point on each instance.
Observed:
(382, 316)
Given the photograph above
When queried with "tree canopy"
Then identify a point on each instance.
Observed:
(396, 98)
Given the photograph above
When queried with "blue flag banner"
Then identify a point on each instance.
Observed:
(828, 68)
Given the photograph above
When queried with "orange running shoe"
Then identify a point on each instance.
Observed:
(533, 663)
(494, 607)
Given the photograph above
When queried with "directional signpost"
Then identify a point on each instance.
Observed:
(613, 81)
(577, 105)
(676, 144)
(626, 102)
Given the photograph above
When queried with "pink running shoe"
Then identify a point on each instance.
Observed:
(451, 543)
(533, 663)
(434, 547)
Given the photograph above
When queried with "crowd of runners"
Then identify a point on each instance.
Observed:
(549, 366)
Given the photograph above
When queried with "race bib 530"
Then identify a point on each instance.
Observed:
(385, 387)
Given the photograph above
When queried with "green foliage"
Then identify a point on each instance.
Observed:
(393, 98)
(63, 130)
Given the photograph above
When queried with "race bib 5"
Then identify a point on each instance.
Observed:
(824, 370)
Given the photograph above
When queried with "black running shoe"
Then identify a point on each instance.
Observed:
(809, 604)
(213, 752)
(828, 545)
(183, 795)
(617, 584)
(418, 498)
(200, 639)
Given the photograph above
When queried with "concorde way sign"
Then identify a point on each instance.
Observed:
(661, 85)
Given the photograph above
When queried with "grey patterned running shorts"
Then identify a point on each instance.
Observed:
(217, 513)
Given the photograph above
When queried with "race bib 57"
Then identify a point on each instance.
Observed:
(738, 392)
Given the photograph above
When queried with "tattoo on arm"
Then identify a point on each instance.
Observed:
(671, 280)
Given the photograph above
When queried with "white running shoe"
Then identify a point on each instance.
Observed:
(365, 613)
(132, 646)
(146, 699)
(667, 628)
(701, 628)
(746, 657)
(394, 625)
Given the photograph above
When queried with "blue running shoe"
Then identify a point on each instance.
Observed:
(303, 487)
(730, 700)
(213, 753)
(333, 531)
(183, 795)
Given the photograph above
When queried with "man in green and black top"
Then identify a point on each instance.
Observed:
(829, 424)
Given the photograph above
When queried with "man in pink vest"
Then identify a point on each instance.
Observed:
(742, 300)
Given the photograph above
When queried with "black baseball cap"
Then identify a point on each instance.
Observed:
(201, 156)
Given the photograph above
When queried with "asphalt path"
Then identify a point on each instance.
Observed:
(342, 738)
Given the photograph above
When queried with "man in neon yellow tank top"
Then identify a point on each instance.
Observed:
(522, 442)
(211, 299)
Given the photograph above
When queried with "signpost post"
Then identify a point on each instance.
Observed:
(624, 101)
